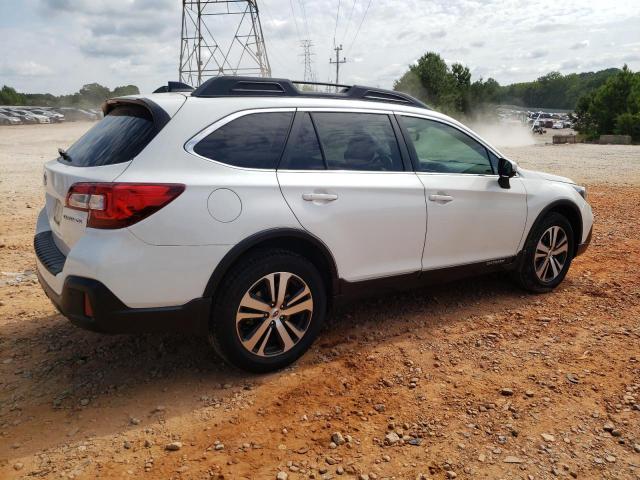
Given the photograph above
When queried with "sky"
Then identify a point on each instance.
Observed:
(56, 46)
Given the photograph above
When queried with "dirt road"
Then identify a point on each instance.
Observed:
(470, 380)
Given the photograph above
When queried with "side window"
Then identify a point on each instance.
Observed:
(444, 149)
(255, 140)
(303, 150)
(358, 141)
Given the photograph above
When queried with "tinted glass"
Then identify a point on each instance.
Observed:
(444, 149)
(303, 150)
(117, 138)
(252, 141)
(358, 141)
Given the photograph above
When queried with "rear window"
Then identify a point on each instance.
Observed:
(255, 140)
(117, 138)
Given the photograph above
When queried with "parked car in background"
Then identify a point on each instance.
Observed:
(72, 114)
(24, 118)
(39, 118)
(53, 116)
(9, 120)
(557, 125)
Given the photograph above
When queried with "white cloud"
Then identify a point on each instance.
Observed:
(58, 45)
(579, 45)
(28, 68)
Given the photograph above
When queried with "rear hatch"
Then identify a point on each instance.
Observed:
(100, 155)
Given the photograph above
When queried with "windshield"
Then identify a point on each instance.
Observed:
(118, 137)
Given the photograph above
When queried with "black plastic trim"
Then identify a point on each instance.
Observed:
(228, 86)
(48, 252)
(402, 143)
(562, 203)
(398, 283)
(110, 315)
(584, 245)
(273, 234)
(174, 87)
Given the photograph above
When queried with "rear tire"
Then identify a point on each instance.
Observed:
(268, 311)
(547, 254)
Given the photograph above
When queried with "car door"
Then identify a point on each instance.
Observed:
(347, 181)
(470, 218)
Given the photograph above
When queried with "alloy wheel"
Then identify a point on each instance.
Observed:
(274, 314)
(551, 254)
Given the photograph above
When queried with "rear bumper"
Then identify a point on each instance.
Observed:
(584, 245)
(110, 315)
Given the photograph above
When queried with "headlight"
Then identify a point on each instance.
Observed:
(581, 190)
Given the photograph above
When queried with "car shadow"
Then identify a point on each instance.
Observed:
(59, 372)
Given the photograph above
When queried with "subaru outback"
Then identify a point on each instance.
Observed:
(242, 209)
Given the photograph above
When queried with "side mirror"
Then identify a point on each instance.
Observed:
(506, 170)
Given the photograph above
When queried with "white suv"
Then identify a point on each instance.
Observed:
(242, 208)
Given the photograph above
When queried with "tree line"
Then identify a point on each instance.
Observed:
(451, 89)
(90, 95)
(605, 102)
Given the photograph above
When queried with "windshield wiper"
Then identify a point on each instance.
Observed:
(63, 153)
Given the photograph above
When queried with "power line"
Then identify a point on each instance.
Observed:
(359, 26)
(346, 27)
(335, 30)
(304, 15)
(293, 13)
(272, 47)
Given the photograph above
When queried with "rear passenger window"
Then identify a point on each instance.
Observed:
(303, 150)
(255, 140)
(358, 141)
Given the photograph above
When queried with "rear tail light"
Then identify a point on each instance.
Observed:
(118, 205)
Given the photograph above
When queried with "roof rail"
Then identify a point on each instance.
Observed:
(232, 86)
(174, 87)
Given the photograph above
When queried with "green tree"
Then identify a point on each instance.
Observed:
(628, 124)
(613, 108)
(93, 94)
(125, 90)
(9, 96)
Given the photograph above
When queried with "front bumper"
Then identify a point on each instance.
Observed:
(108, 313)
(584, 245)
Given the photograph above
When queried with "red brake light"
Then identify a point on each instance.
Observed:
(118, 205)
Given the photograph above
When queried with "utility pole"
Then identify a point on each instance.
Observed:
(337, 62)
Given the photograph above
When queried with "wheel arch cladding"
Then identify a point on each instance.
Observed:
(297, 241)
(571, 212)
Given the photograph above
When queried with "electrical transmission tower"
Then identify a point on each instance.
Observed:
(337, 62)
(309, 75)
(237, 23)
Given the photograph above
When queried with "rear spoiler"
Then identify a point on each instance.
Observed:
(159, 115)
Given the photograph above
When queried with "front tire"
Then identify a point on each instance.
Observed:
(547, 254)
(269, 310)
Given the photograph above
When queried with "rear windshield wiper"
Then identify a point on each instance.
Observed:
(63, 153)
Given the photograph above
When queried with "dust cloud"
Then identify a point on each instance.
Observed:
(504, 134)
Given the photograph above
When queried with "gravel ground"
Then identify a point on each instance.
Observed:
(475, 379)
